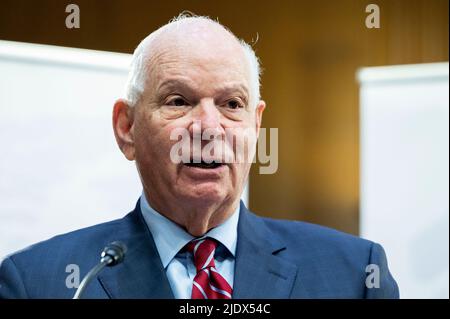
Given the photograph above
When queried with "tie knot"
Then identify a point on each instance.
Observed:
(203, 252)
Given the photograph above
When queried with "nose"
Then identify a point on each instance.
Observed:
(207, 115)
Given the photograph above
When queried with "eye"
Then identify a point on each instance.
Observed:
(234, 104)
(178, 101)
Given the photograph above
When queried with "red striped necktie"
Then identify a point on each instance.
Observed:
(208, 283)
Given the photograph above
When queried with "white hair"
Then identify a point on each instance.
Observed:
(139, 68)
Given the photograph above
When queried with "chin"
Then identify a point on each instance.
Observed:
(205, 193)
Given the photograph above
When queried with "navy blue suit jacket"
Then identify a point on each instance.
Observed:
(274, 259)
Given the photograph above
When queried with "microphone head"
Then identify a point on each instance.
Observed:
(115, 251)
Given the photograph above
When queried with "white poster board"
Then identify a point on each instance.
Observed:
(60, 167)
(405, 172)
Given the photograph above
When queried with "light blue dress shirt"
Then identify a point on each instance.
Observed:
(179, 266)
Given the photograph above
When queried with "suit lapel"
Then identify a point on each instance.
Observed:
(141, 275)
(259, 272)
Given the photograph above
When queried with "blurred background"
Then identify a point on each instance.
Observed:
(310, 53)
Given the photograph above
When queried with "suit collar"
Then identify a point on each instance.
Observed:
(259, 272)
(170, 238)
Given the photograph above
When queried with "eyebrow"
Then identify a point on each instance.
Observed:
(172, 84)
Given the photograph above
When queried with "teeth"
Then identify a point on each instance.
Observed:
(204, 165)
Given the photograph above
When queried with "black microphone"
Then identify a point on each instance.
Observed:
(112, 255)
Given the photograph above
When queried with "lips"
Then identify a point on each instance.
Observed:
(205, 165)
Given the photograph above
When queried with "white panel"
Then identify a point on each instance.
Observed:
(405, 173)
(60, 168)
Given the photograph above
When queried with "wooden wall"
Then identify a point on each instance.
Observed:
(310, 51)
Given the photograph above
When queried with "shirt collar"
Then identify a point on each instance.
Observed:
(170, 238)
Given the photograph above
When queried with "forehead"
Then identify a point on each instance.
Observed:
(205, 61)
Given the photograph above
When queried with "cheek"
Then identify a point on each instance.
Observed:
(241, 140)
(248, 122)
(153, 139)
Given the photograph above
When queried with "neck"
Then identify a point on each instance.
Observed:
(196, 217)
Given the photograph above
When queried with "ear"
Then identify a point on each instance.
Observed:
(259, 113)
(123, 119)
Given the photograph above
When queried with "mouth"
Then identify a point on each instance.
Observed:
(204, 165)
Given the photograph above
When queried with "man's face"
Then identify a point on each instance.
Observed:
(194, 88)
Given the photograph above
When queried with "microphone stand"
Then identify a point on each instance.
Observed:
(112, 255)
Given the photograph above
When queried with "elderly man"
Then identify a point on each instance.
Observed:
(189, 235)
